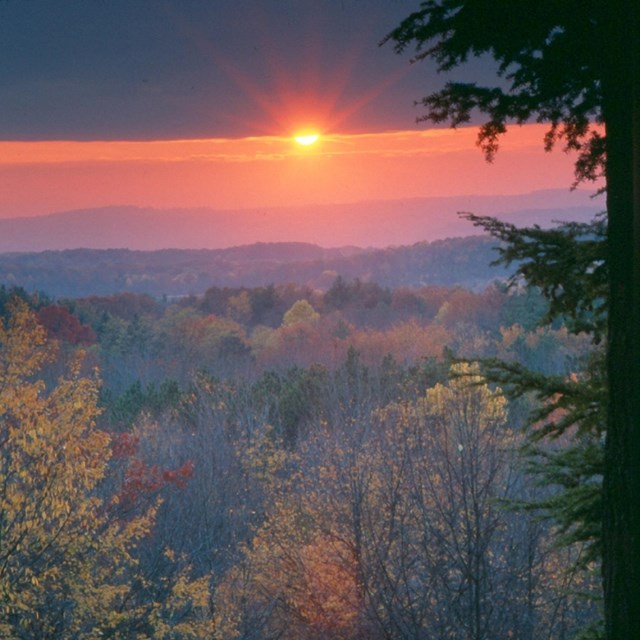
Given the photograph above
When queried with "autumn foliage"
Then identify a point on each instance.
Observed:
(277, 463)
(67, 568)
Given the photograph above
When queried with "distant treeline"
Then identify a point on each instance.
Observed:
(462, 262)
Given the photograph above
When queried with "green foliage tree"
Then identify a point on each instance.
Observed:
(568, 64)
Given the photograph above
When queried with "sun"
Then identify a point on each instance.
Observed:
(307, 139)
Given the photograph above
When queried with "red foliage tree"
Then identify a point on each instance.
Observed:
(62, 325)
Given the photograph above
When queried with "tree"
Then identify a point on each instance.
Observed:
(567, 407)
(68, 565)
(300, 311)
(62, 325)
(391, 528)
(51, 462)
(569, 64)
(464, 466)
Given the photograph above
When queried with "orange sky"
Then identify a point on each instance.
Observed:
(43, 177)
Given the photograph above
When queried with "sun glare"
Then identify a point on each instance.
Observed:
(307, 139)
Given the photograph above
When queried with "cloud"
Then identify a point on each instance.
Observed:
(432, 142)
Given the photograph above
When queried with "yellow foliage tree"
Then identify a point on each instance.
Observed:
(300, 311)
(67, 564)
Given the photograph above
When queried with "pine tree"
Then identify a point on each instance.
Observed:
(570, 64)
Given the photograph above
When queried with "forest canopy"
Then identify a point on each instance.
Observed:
(250, 438)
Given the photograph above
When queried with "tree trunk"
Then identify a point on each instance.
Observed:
(621, 517)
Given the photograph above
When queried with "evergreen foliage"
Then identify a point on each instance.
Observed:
(567, 423)
(575, 66)
(549, 68)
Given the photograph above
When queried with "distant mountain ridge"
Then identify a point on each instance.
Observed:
(366, 224)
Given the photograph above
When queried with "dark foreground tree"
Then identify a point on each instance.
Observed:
(575, 65)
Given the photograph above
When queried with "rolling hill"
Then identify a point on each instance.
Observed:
(365, 224)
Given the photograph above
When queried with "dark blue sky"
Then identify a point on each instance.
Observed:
(148, 69)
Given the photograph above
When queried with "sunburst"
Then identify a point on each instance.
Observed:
(307, 139)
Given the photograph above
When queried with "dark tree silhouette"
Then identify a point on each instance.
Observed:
(574, 64)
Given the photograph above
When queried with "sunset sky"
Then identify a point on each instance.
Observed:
(169, 103)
